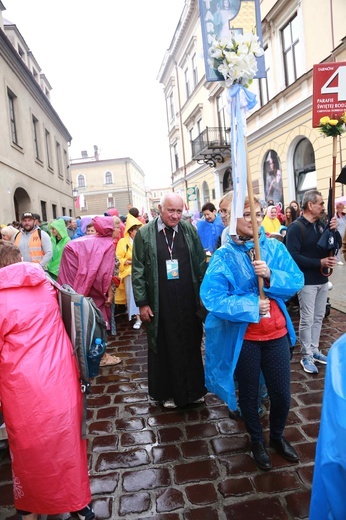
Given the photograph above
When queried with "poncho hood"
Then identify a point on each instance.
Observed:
(112, 212)
(21, 274)
(131, 221)
(60, 226)
(104, 226)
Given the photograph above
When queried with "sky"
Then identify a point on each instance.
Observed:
(102, 59)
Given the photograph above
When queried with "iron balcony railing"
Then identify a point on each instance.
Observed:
(211, 146)
(211, 139)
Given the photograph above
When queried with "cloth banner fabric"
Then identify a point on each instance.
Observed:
(241, 100)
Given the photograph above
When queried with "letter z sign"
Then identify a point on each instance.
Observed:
(329, 91)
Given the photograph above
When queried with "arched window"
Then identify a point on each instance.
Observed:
(205, 192)
(108, 178)
(272, 178)
(227, 182)
(81, 181)
(304, 168)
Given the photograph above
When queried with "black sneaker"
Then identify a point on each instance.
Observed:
(86, 513)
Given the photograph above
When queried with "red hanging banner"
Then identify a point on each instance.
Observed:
(329, 91)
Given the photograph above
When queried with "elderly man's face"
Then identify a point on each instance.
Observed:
(172, 210)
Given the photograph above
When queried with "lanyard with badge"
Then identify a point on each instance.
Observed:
(172, 265)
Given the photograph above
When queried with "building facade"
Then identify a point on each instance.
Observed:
(34, 163)
(101, 184)
(282, 144)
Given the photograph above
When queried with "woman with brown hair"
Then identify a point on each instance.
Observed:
(290, 214)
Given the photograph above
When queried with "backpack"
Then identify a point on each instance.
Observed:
(87, 330)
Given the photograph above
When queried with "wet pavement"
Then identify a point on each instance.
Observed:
(147, 462)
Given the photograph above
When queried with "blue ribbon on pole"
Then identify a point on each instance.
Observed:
(241, 100)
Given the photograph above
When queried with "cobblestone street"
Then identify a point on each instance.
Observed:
(147, 462)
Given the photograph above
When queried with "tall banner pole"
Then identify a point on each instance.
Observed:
(335, 150)
(254, 221)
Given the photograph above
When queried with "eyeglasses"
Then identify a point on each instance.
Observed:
(247, 217)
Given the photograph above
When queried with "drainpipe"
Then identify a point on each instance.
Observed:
(333, 58)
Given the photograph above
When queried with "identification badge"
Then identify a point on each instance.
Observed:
(172, 267)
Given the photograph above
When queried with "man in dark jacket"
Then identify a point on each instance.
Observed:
(301, 241)
(168, 265)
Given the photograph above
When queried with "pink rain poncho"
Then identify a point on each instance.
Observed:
(40, 396)
(87, 263)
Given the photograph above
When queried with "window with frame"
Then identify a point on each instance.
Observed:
(264, 83)
(108, 178)
(206, 192)
(171, 105)
(21, 52)
(175, 156)
(187, 82)
(11, 103)
(35, 128)
(191, 134)
(44, 210)
(223, 117)
(199, 127)
(47, 139)
(66, 166)
(54, 212)
(81, 181)
(194, 71)
(63, 210)
(304, 168)
(58, 158)
(291, 48)
(110, 202)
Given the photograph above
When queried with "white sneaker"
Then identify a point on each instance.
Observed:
(169, 404)
(137, 325)
(340, 263)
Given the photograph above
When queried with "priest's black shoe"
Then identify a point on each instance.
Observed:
(261, 455)
(283, 447)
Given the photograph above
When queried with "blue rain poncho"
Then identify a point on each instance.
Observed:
(328, 500)
(230, 293)
(209, 232)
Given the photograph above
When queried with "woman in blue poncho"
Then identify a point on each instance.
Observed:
(245, 334)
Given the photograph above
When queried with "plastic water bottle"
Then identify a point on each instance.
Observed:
(95, 354)
(96, 348)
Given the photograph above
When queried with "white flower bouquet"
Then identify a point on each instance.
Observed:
(235, 58)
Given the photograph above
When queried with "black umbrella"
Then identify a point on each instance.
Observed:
(330, 240)
(342, 176)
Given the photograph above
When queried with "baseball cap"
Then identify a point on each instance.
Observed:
(28, 215)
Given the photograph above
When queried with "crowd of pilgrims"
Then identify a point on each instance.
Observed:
(95, 257)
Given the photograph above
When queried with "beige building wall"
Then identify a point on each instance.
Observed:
(281, 119)
(34, 141)
(109, 183)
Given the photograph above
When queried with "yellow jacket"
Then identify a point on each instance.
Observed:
(124, 247)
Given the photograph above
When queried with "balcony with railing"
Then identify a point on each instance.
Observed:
(212, 146)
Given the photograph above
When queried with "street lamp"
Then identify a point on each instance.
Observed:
(75, 192)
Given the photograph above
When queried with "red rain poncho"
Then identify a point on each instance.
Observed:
(87, 263)
(40, 395)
